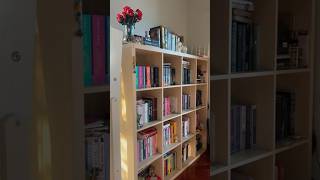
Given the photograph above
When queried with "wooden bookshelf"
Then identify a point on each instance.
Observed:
(135, 54)
(260, 87)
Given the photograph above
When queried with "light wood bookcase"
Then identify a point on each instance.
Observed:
(135, 54)
(260, 87)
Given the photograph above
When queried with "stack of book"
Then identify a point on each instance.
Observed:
(170, 163)
(243, 127)
(285, 109)
(97, 148)
(186, 72)
(147, 77)
(199, 98)
(170, 105)
(186, 152)
(170, 133)
(185, 126)
(146, 111)
(147, 144)
(166, 38)
(186, 104)
(244, 37)
(96, 45)
(169, 74)
(239, 176)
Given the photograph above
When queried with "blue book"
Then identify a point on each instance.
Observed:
(137, 77)
(107, 49)
(169, 41)
(87, 49)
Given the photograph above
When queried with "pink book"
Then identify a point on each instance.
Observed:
(148, 77)
(140, 77)
(98, 47)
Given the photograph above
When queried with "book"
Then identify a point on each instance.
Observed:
(107, 46)
(98, 46)
(87, 49)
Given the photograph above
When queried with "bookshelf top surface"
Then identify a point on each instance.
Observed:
(164, 51)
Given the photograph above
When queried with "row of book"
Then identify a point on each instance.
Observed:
(186, 78)
(170, 163)
(170, 105)
(97, 148)
(148, 174)
(186, 152)
(170, 133)
(244, 38)
(199, 98)
(96, 53)
(243, 127)
(169, 74)
(186, 101)
(167, 39)
(185, 126)
(147, 77)
(285, 109)
(146, 110)
(147, 144)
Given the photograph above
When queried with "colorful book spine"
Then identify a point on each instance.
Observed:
(148, 77)
(98, 44)
(87, 49)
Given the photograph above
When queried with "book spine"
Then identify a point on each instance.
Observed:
(87, 49)
(234, 47)
(140, 76)
(98, 35)
(137, 77)
(148, 76)
(107, 46)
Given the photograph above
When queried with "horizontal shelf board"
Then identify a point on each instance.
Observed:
(147, 162)
(187, 138)
(290, 144)
(170, 147)
(251, 74)
(202, 84)
(217, 169)
(169, 117)
(173, 175)
(292, 71)
(216, 77)
(149, 89)
(96, 89)
(184, 112)
(172, 86)
(164, 51)
(188, 162)
(148, 125)
(200, 107)
(248, 156)
(188, 85)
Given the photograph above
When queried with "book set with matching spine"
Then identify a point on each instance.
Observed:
(170, 133)
(97, 145)
(186, 152)
(169, 74)
(170, 106)
(170, 163)
(96, 45)
(147, 144)
(185, 126)
(285, 109)
(165, 38)
(243, 127)
(244, 56)
(186, 101)
(186, 76)
(146, 111)
(147, 77)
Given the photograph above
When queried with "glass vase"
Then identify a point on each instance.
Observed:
(128, 33)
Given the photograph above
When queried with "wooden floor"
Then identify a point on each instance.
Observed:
(200, 170)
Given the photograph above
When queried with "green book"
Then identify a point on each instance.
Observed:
(87, 50)
(137, 77)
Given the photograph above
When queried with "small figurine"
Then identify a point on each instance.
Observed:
(152, 174)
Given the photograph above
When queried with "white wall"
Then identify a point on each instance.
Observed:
(190, 18)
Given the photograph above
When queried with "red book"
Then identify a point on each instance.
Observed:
(140, 77)
(148, 76)
(98, 47)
